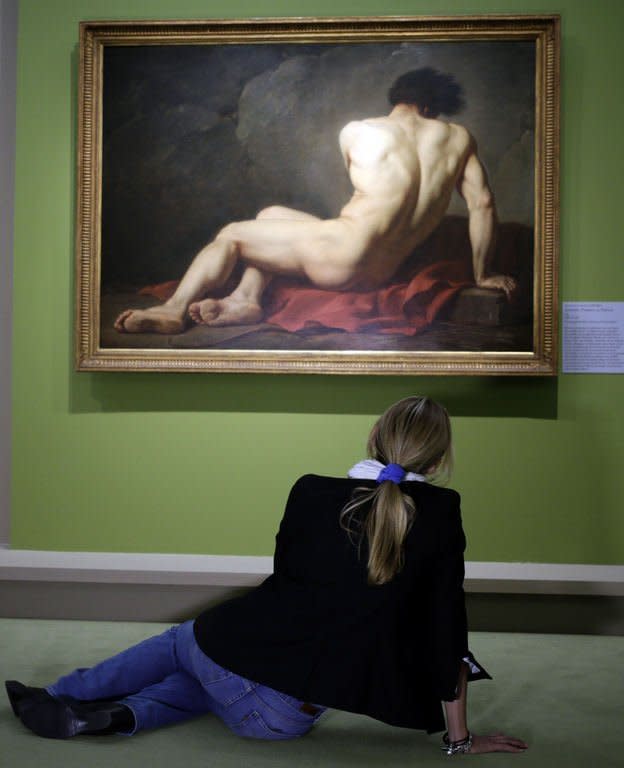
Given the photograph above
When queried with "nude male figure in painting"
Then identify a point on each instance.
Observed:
(403, 167)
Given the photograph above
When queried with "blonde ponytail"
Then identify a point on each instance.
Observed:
(416, 434)
(386, 524)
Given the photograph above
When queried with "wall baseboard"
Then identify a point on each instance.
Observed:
(247, 571)
(501, 597)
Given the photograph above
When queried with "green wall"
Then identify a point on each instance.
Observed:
(202, 462)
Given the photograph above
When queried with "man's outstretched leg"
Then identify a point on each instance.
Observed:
(244, 304)
(213, 265)
(209, 270)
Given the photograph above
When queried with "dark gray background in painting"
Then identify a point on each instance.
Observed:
(197, 136)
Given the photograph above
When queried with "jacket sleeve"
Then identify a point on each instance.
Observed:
(450, 626)
(283, 535)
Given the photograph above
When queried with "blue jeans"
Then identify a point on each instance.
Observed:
(168, 679)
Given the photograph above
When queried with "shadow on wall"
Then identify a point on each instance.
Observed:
(520, 397)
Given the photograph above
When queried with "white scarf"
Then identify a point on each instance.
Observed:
(369, 469)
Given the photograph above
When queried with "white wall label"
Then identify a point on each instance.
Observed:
(593, 336)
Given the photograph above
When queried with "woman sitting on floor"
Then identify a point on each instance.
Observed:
(364, 612)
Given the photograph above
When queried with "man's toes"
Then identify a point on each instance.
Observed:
(209, 310)
(201, 311)
(120, 324)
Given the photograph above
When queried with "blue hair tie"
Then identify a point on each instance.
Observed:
(393, 472)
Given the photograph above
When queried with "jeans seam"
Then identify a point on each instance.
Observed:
(173, 648)
(287, 715)
(271, 733)
(245, 692)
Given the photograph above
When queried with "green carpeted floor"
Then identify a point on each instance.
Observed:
(563, 694)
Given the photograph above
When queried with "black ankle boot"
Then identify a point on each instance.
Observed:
(64, 717)
(120, 718)
(17, 692)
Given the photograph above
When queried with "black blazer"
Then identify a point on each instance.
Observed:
(317, 630)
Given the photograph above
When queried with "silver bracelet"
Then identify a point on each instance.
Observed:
(457, 747)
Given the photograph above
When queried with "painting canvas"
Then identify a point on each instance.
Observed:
(228, 138)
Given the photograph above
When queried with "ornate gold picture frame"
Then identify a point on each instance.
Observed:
(348, 195)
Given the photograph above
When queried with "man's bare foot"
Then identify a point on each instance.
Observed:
(227, 311)
(160, 319)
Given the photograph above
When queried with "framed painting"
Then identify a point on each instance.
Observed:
(348, 195)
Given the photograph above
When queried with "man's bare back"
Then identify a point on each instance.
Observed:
(403, 167)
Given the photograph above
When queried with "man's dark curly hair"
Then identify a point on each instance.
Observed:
(433, 92)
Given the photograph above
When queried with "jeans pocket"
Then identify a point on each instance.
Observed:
(227, 688)
(223, 686)
(253, 726)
